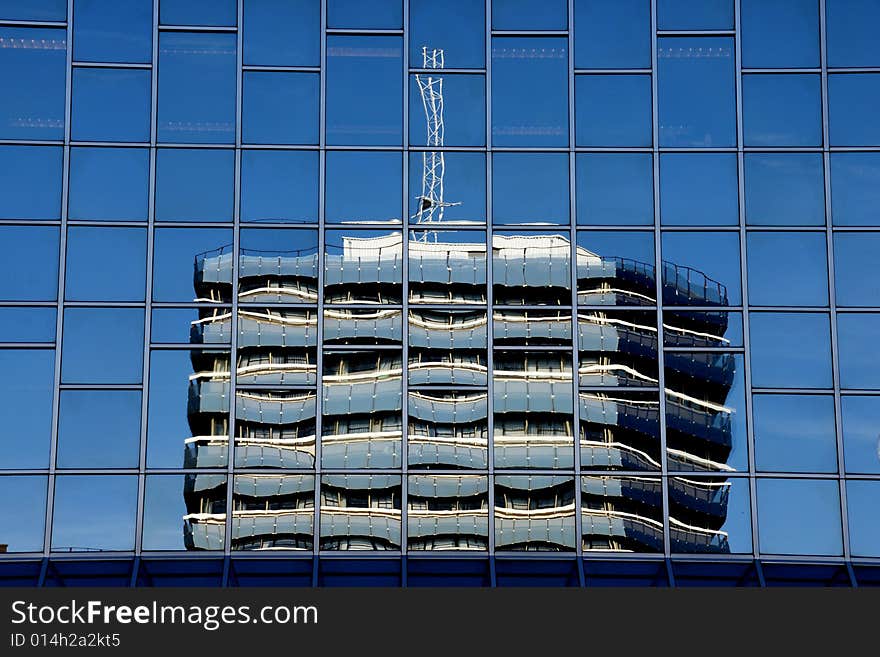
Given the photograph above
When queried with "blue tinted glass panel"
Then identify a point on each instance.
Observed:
(109, 183)
(726, 328)
(363, 186)
(26, 407)
(799, 516)
(728, 502)
(529, 91)
(29, 263)
(94, 513)
(34, 10)
(696, 100)
(30, 187)
(111, 105)
(698, 189)
(613, 110)
(530, 188)
(851, 121)
(529, 15)
(794, 433)
(32, 76)
(364, 90)
(463, 110)
(856, 277)
(23, 521)
(861, 437)
(782, 110)
(612, 34)
(280, 108)
(181, 255)
(855, 189)
(168, 501)
(180, 325)
(864, 528)
(701, 269)
(99, 429)
(106, 264)
(857, 336)
(115, 31)
(614, 189)
(784, 189)
(790, 350)
(851, 32)
(368, 14)
(197, 12)
(22, 324)
(787, 269)
(282, 32)
(194, 184)
(196, 88)
(780, 33)
(457, 27)
(690, 15)
(279, 186)
(464, 183)
(102, 345)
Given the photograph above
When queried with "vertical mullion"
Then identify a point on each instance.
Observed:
(490, 299)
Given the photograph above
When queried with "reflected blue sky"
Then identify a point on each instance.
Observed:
(612, 34)
(790, 350)
(30, 187)
(111, 105)
(197, 12)
(784, 189)
(464, 183)
(23, 515)
(861, 434)
(715, 255)
(109, 184)
(799, 516)
(851, 35)
(864, 530)
(26, 407)
(464, 109)
(41, 10)
(530, 188)
(23, 324)
(849, 98)
(529, 14)
(99, 429)
(763, 20)
(282, 33)
(698, 189)
(118, 31)
(280, 107)
(689, 15)
(94, 512)
(102, 345)
(456, 26)
(857, 347)
(194, 184)
(787, 269)
(29, 266)
(795, 433)
(613, 110)
(279, 186)
(782, 110)
(174, 253)
(856, 278)
(106, 264)
(855, 188)
(614, 189)
(367, 14)
(363, 186)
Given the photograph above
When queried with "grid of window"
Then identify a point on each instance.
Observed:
(448, 279)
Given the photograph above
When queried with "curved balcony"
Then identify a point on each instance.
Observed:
(257, 329)
(264, 409)
(290, 453)
(425, 333)
(445, 373)
(376, 326)
(533, 392)
(366, 392)
(447, 452)
(684, 286)
(206, 452)
(460, 409)
(352, 523)
(609, 335)
(517, 528)
(373, 449)
(544, 452)
(423, 523)
(634, 532)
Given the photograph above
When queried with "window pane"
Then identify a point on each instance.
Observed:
(856, 279)
(707, 503)
(279, 186)
(639, 500)
(111, 105)
(197, 12)
(29, 266)
(364, 90)
(529, 15)
(106, 264)
(794, 433)
(552, 530)
(702, 329)
(109, 183)
(184, 512)
(861, 439)
(698, 189)
(457, 27)
(852, 39)
(32, 76)
(784, 189)
(690, 15)
(529, 91)
(530, 188)
(790, 350)
(22, 324)
(857, 345)
(782, 110)
(368, 14)
(103, 345)
(696, 91)
(850, 121)
(780, 33)
(196, 325)
(30, 187)
(855, 189)
(612, 34)
(118, 31)
(799, 516)
(618, 430)
(34, 10)
(194, 184)
(363, 187)
(278, 265)
(282, 32)
(94, 513)
(377, 500)
(24, 521)
(280, 107)
(864, 529)
(701, 269)
(180, 250)
(614, 268)
(615, 189)
(613, 110)
(99, 429)
(461, 109)
(464, 186)
(370, 258)
(447, 267)
(787, 269)
(196, 88)
(26, 407)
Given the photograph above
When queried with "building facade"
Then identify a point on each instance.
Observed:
(423, 292)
